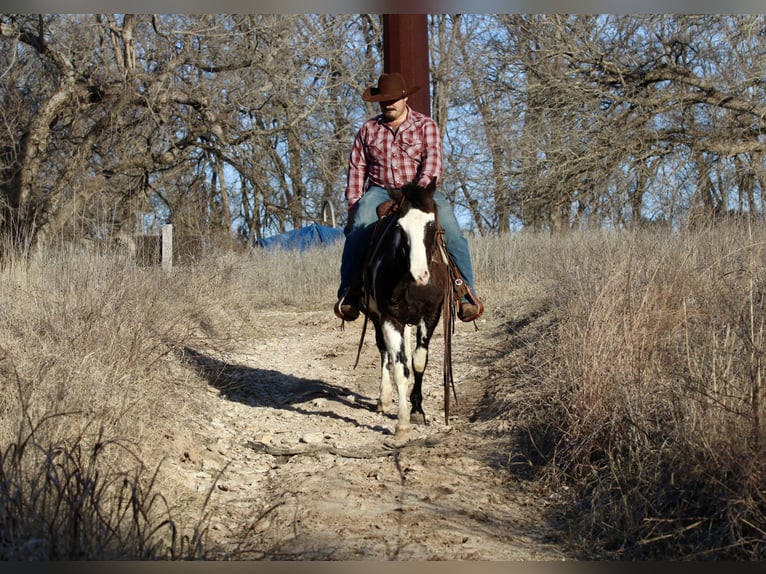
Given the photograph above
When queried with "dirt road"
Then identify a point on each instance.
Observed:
(302, 467)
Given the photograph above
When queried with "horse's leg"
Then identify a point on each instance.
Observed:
(408, 331)
(419, 363)
(401, 374)
(384, 398)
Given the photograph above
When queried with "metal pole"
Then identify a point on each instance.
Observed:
(405, 50)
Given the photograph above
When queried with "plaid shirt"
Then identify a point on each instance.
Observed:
(387, 159)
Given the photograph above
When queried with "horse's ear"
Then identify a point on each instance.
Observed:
(432, 185)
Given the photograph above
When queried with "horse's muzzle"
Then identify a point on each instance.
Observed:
(422, 278)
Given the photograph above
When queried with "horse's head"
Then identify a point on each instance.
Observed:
(417, 221)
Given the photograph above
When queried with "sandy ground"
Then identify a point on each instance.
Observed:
(300, 466)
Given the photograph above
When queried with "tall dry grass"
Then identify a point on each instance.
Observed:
(642, 394)
(653, 389)
(89, 381)
(93, 377)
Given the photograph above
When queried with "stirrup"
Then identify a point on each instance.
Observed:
(464, 309)
(350, 313)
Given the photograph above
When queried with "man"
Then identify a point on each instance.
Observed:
(396, 147)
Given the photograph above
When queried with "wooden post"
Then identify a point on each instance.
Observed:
(405, 50)
(167, 246)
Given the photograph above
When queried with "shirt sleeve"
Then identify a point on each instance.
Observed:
(357, 170)
(432, 162)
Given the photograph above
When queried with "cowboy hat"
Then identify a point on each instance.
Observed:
(390, 87)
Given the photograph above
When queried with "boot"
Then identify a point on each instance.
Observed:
(347, 307)
(469, 307)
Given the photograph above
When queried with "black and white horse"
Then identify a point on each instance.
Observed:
(406, 280)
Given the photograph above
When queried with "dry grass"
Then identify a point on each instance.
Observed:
(654, 391)
(93, 377)
(89, 380)
(643, 394)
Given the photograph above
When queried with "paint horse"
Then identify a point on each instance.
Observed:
(406, 284)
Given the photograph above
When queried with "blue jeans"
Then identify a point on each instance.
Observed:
(358, 236)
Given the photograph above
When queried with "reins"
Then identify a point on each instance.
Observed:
(448, 323)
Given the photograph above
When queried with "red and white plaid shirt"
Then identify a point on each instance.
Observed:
(387, 159)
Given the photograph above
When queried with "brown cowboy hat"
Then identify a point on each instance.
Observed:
(390, 87)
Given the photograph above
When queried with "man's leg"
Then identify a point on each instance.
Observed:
(354, 249)
(457, 245)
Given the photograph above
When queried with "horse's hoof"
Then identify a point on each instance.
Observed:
(381, 408)
(419, 411)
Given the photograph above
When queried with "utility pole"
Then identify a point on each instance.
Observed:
(405, 50)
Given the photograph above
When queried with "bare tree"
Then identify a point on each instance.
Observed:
(240, 125)
(135, 119)
(602, 120)
(649, 92)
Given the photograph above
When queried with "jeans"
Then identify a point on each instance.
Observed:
(358, 236)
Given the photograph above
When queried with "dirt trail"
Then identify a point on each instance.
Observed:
(309, 470)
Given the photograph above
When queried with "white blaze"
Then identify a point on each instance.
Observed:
(414, 225)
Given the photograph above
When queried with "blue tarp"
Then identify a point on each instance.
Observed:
(303, 238)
